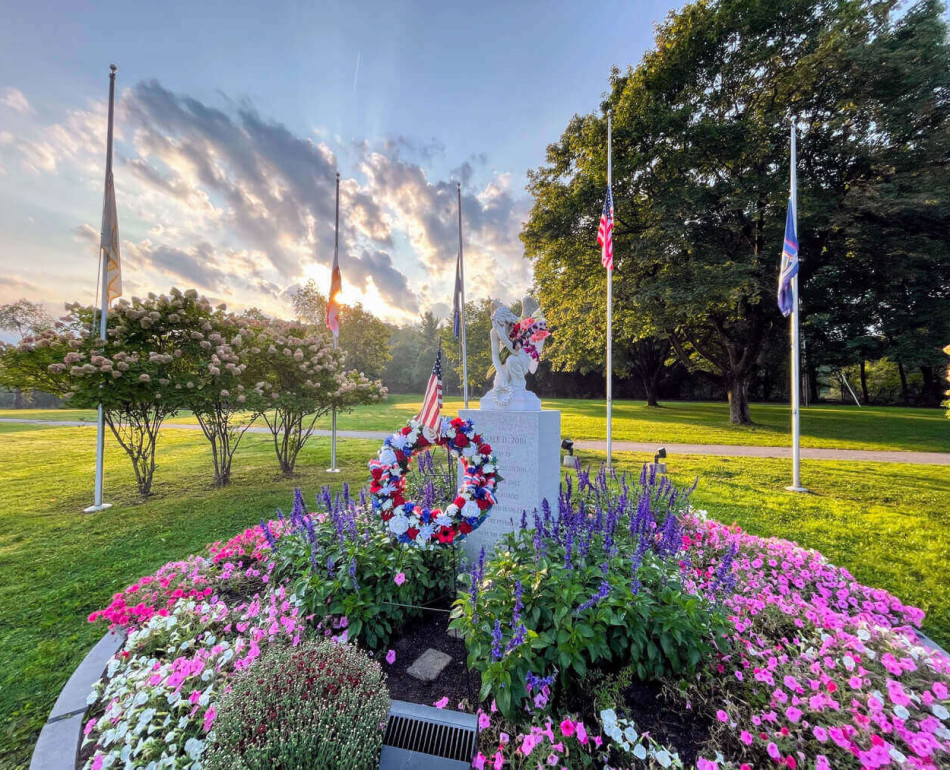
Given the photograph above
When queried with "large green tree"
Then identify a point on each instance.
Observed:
(700, 173)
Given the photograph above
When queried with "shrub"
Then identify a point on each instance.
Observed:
(342, 562)
(321, 704)
(598, 583)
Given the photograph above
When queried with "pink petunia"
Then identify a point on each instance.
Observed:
(400, 578)
(773, 751)
(567, 728)
(391, 657)
(746, 737)
(582, 733)
(484, 721)
(441, 703)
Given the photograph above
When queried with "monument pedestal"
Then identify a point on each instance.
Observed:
(528, 447)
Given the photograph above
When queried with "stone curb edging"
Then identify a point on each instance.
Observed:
(58, 744)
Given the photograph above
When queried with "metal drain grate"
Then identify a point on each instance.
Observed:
(415, 730)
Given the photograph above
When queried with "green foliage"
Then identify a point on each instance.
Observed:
(320, 704)
(299, 377)
(585, 592)
(347, 567)
(363, 337)
(700, 181)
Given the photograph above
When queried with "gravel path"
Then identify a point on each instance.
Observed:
(720, 450)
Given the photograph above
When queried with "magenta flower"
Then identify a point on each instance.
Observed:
(441, 703)
(567, 728)
(391, 657)
(400, 578)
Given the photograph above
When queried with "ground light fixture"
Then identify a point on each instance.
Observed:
(568, 446)
(660, 455)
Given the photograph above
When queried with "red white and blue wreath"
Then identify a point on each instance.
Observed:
(411, 522)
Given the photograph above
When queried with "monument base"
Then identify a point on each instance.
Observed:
(528, 447)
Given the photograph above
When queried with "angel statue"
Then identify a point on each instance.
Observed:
(516, 345)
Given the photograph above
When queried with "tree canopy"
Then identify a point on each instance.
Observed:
(700, 181)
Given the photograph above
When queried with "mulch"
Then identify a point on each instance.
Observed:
(456, 682)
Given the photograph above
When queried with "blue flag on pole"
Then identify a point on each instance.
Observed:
(789, 260)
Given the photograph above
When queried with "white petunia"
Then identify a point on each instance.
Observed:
(663, 757)
(939, 711)
(639, 752)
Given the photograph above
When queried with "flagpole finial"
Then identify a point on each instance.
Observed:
(113, 69)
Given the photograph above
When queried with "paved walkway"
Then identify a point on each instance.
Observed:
(721, 450)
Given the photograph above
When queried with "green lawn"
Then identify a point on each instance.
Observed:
(886, 523)
(676, 422)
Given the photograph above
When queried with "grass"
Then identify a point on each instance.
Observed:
(886, 523)
(828, 426)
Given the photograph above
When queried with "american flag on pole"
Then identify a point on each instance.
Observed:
(431, 413)
(789, 269)
(605, 233)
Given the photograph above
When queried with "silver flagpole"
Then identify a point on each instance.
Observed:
(336, 255)
(795, 336)
(98, 505)
(610, 314)
(462, 304)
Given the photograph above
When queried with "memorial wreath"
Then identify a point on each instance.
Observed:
(414, 523)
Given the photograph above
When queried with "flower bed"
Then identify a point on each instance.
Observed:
(624, 629)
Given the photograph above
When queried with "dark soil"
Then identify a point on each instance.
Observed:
(667, 720)
(455, 682)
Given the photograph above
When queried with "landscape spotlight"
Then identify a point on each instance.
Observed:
(568, 446)
(660, 455)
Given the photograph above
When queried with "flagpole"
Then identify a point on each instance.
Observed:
(336, 254)
(610, 313)
(462, 304)
(795, 340)
(98, 505)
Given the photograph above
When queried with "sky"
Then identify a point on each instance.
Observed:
(233, 119)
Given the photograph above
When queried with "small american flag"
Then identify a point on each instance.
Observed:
(605, 233)
(430, 414)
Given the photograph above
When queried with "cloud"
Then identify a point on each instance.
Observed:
(15, 100)
(222, 198)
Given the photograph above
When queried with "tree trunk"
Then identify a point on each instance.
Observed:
(813, 392)
(738, 394)
(650, 386)
(905, 393)
(864, 382)
(930, 393)
(17, 398)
